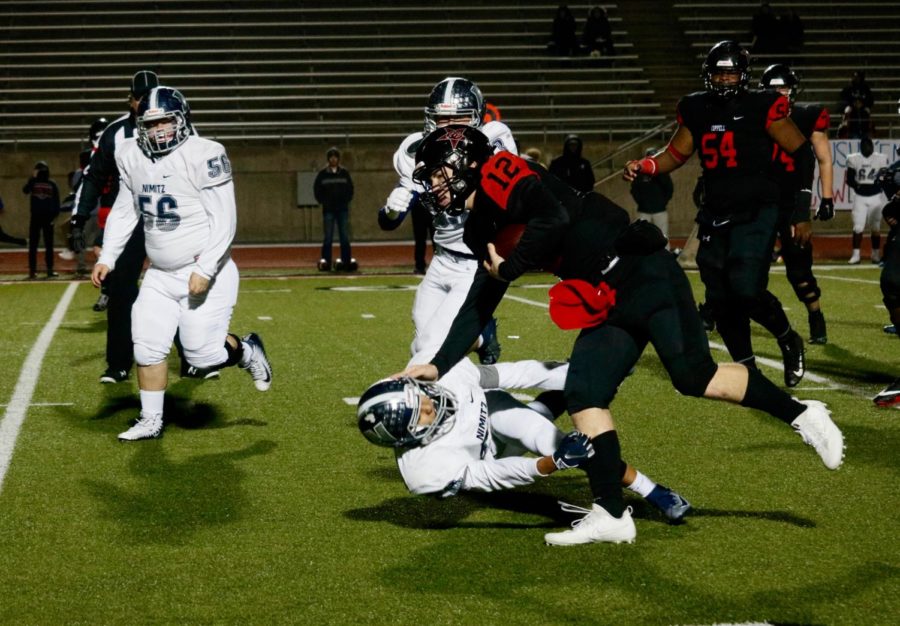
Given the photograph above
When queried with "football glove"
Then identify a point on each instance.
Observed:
(77, 224)
(826, 210)
(640, 239)
(399, 202)
(574, 449)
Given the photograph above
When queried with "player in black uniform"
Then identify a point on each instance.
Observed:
(890, 273)
(734, 130)
(100, 182)
(621, 287)
(794, 226)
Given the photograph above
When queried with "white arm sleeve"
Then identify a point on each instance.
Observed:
(219, 204)
(496, 474)
(123, 218)
(526, 374)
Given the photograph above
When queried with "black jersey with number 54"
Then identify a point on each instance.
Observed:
(734, 148)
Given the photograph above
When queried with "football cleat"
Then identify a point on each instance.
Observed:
(670, 503)
(489, 352)
(102, 303)
(890, 329)
(794, 358)
(148, 426)
(817, 332)
(258, 365)
(817, 429)
(889, 397)
(323, 265)
(111, 376)
(596, 526)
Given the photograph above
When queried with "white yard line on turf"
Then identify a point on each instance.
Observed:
(809, 376)
(14, 415)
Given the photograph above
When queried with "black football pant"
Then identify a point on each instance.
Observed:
(121, 285)
(734, 264)
(798, 264)
(890, 276)
(38, 226)
(654, 304)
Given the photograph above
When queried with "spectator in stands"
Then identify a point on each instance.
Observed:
(44, 209)
(534, 155)
(333, 189)
(764, 30)
(652, 194)
(857, 89)
(572, 168)
(9, 238)
(856, 122)
(565, 41)
(793, 30)
(597, 36)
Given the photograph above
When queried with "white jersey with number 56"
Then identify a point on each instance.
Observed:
(187, 201)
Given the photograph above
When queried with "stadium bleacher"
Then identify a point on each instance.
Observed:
(275, 70)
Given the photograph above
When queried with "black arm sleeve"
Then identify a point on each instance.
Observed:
(481, 302)
(545, 220)
(851, 178)
(805, 164)
(96, 174)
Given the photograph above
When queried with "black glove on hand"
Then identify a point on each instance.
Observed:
(573, 450)
(826, 210)
(640, 239)
(77, 223)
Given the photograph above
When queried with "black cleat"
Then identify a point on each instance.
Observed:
(817, 333)
(489, 352)
(889, 397)
(111, 376)
(794, 358)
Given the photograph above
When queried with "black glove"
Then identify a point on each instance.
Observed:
(77, 224)
(826, 210)
(640, 239)
(573, 450)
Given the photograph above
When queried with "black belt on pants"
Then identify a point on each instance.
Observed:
(458, 255)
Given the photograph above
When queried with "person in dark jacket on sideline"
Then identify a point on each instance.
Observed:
(571, 168)
(44, 209)
(333, 189)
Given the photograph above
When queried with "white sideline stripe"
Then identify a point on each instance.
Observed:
(850, 280)
(48, 404)
(14, 415)
(809, 376)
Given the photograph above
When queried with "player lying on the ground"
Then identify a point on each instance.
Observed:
(181, 184)
(454, 436)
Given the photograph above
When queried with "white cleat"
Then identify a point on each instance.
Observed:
(149, 426)
(258, 365)
(815, 427)
(596, 526)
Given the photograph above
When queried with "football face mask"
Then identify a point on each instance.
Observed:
(163, 121)
(405, 413)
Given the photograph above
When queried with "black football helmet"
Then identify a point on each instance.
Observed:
(454, 97)
(780, 77)
(163, 103)
(462, 149)
(97, 128)
(388, 413)
(726, 57)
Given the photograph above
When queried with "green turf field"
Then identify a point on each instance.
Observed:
(268, 508)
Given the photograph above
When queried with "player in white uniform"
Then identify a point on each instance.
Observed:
(863, 170)
(449, 276)
(182, 185)
(454, 436)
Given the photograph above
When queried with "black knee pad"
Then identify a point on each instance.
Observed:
(807, 290)
(691, 376)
